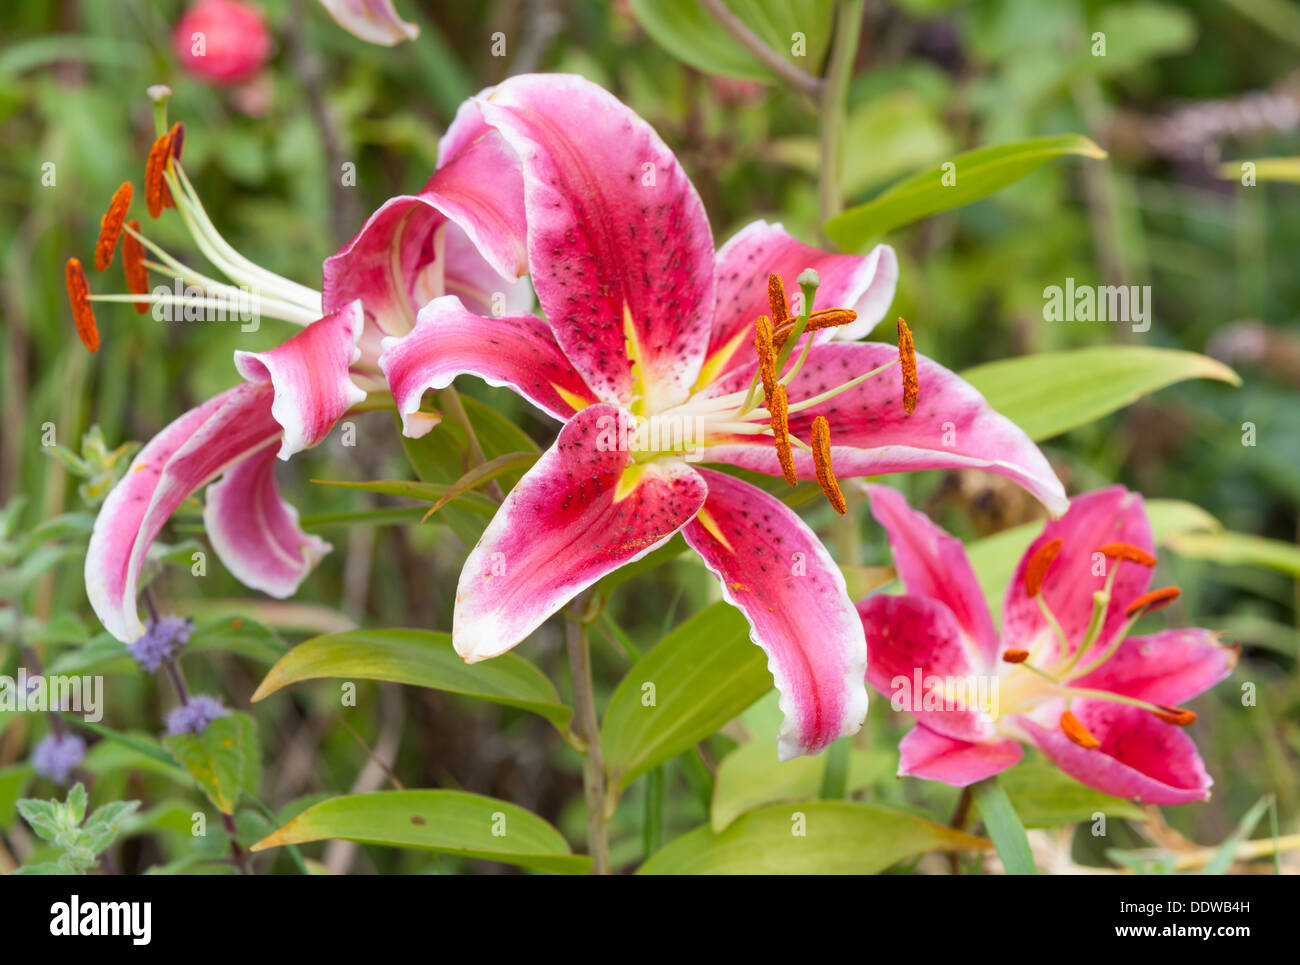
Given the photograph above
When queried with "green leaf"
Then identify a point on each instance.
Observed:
(13, 785)
(838, 837)
(974, 175)
(751, 777)
(1241, 549)
(1004, 827)
(410, 489)
(449, 822)
(1137, 33)
(1227, 852)
(1046, 797)
(422, 658)
(482, 474)
(439, 457)
(1052, 392)
(223, 760)
(703, 674)
(687, 30)
(1285, 169)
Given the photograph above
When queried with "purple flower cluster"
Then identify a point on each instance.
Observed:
(162, 640)
(194, 716)
(57, 756)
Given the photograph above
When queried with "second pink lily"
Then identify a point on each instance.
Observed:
(1064, 675)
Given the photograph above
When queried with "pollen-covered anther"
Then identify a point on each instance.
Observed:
(1015, 656)
(907, 356)
(110, 226)
(1178, 716)
(156, 194)
(1155, 600)
(177, 138)
(826, 318)
(821, 447)
(1128, 552)
(766, 352)
(79, 297)
(779, 407)
(776, 300)
(137, 275)
(1077, 732)
(1038, 565)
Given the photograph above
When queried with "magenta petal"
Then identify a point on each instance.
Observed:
(561, 529)
(1104, 516)
(518, 351)
(923, 753)
(775, 570)
(914, 647)
(864, 283)
(617, 236)
(310, 376)
(1141, 757)
(390, 261)
(1164, 668)
(952, 427)
(933, 564)
(255, 532)
(375, 21)
(190, 451)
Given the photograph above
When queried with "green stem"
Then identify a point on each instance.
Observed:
(1004, 827)
(834, 101)
(584, 706)
(652, 831)
(455, 408)
(835, 779)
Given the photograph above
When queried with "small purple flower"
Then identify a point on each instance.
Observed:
(57, 756)
(193, 717)
(162, 640)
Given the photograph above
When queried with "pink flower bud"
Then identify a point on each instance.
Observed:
(223, 41)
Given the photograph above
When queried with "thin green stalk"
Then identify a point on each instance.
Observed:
(834, 102)
(455, 408)
(652, 829)
(584, 707)
(835, 779)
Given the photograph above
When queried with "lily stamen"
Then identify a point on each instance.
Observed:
(1015, 656)
(1155, 600)
(780, 423)
(821, 448)
(1077, 732)
(907, 356)
(83, 315)
(110, 226)
(1178, 716)
(133, 264)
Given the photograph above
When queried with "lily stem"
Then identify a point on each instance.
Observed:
(584, 706)
(834, 101)
(455, 408)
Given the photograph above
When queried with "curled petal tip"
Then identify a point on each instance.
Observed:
(374, 21)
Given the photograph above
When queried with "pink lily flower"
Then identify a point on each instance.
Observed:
(1063, 675)
(651, 354)
(462, 233)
